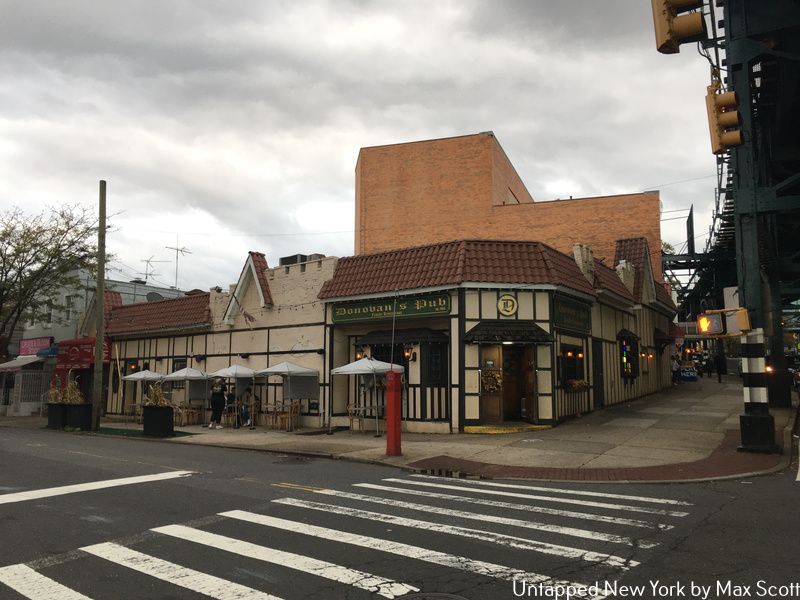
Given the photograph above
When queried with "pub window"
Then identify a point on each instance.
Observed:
(629, 357)
(433, 365)
(177, 365)
(572, 361)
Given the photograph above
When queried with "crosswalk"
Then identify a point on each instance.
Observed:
(389, 538)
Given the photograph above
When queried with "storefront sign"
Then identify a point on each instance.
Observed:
(507, 305)
(79, 354)
(371, 310)
(33, 345)
(570, 314)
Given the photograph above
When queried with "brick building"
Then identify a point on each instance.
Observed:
(465, 187)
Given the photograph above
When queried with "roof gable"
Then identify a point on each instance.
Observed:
(606, 278)
(253, 272)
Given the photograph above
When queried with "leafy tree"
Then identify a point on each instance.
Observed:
(39, 256)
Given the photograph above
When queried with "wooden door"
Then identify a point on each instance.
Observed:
(491, 384)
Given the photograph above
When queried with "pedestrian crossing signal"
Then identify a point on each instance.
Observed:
(711, 324)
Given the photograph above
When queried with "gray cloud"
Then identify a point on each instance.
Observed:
(246, 118)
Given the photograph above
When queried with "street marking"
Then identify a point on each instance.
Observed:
(462, 563)
(202, 583)
(535, 488)
(366, 581)
(27, 582)
(478, 534)
(426, 508)
(90, 486)
(639, 509)
(525, 507)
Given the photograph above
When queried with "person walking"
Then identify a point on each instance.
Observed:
(675, 366)
(217, 405)
(248, 409)
(719, 365)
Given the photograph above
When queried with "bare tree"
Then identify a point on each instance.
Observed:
(39, 256)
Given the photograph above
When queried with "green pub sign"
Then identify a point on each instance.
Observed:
(571, 314)
(384, 308)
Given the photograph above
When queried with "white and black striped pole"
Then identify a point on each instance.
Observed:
(757, 424)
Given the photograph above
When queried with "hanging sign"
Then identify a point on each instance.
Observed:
(384, 308)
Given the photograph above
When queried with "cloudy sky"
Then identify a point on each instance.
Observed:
(223, 127)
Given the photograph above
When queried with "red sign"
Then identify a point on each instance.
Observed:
(33, 345)
(79, 354)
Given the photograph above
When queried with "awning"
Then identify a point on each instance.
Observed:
(659, 335)
(401, 336)
(19, 362)
(523, 332)
(626, 334)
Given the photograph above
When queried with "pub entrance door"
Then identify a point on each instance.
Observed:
(508, 383)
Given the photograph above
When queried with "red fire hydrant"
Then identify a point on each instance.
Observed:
(393, 413)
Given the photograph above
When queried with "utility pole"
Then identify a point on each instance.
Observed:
(182, 251)
(99, 313)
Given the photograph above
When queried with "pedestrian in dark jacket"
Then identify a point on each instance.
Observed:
(217, 406)
(720, 366)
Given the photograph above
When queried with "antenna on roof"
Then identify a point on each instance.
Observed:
(148, 267)
(178, 250)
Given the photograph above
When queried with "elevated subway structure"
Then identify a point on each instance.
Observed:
(755, 50)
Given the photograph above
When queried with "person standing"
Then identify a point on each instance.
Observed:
(675, 366)
(248, 409)
(719, 365)
(217, 405)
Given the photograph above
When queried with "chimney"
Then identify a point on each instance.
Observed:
(627, 273)
(585, 260)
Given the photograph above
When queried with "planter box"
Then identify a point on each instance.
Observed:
(79, 416)
(158, 421)
(56, 415)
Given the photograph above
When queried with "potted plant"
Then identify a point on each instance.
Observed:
(157, 413)
(78, 411)
(576, 385)
(56, 409)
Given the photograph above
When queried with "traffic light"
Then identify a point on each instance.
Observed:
(723, 119)
(711, 324)
(674, 29)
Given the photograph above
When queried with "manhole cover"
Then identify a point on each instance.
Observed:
(433, 596)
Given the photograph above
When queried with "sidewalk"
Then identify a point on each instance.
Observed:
(689, 432)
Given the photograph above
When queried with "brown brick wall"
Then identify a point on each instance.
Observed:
(458, 188)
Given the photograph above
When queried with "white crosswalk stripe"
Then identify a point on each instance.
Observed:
(586, 503)
(535, 488)
(583, 536)
(33, 585)
(208, 585)
(426, 508)
(500, 539)
(378, 585)
(514, 506)
(444, 559)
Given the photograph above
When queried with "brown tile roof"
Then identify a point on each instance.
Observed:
(606, 278)
(663, 295)
(174, 313)
(453, 263)
(260, 264)
(112, 300)
(636, 252)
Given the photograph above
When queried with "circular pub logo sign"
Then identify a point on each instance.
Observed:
(507, 305)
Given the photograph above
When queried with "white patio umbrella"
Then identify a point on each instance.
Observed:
(288, 369)
(187, 374)
(145, 375)
(234, 372)
(366, 366)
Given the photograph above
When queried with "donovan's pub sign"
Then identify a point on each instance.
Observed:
(385, 308)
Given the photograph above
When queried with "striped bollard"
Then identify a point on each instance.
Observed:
(756, 424)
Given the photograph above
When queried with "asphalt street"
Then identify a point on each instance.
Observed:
(231, 524)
